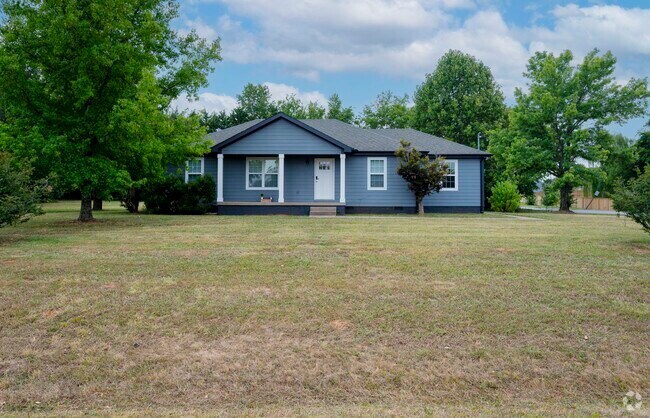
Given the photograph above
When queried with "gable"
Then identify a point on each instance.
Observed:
(281, 137)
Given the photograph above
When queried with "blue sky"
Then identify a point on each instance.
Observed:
(358, 48)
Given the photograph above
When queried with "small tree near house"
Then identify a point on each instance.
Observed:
(423, 175)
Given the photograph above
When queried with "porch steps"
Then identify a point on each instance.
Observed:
(322, 211)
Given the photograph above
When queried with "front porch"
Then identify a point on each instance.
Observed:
(288, 180)
(277, 208)
(337, 204)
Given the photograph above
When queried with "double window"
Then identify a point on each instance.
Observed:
(450, 182)
(261, 173)
(377, 167)
(194, 169)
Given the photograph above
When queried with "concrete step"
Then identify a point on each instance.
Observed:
(322, 211)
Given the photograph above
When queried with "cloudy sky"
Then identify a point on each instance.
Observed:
(358, 48)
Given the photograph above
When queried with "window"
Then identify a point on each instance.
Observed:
(377, 173)
(261, 174)
(450, 182)
(194, 169)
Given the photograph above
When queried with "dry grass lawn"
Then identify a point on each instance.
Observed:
(446, 315)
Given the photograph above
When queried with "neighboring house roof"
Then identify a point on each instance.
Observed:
(353, 137)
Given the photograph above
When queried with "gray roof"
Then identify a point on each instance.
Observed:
(224, 134)
(367, 140)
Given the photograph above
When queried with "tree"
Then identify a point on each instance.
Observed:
(66, 66)
(292, 106)
(459, 100)
(150, 146)
(315, 111)
(423, 175)
(19, 196)
(560, 120)
(642, 147)
(335, 110)
(633, 198)
(387, 111)
(254, 102)
(214, 121)
(618, 165)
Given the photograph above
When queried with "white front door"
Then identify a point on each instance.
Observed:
(323, 178)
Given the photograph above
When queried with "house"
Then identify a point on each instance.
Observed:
(302, 165)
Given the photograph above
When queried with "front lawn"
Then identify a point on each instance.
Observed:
(541, 313)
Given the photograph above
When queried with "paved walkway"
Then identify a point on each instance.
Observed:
(581, 211)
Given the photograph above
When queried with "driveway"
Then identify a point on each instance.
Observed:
(581, 211)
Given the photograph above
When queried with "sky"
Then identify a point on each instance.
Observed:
(359, 48)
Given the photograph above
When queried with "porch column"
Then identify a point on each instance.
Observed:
(342, 180)
(281, 178)
(219, 178)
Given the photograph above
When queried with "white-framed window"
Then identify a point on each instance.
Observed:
(261, 173)
(450, 182)
(194, 169)
(377, 168)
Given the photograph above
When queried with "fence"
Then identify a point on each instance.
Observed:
(595, 203)
(582, 202)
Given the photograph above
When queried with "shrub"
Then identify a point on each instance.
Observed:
(633, 198)
(551, 197)
(531, 199)
(505, 197)
(19, 196)
(171, 196)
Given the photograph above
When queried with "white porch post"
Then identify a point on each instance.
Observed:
(219, 178)
(281, 178)
(342, 191)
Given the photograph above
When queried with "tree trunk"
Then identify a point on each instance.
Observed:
(86, 211)
(420, 205)
(566, 197)
(132, 200)
(98, 204)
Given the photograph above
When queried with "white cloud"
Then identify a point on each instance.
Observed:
(217, 102)
(281, 91)
(202, 29)
(208, 101)
(405, 38)
(623, 31)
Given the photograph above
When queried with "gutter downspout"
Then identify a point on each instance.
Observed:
(482, 185)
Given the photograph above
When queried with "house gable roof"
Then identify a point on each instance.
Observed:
(352, 138)
(256, 125)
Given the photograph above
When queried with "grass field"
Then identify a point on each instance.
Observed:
(462, 314)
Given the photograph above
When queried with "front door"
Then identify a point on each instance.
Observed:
(323, 178)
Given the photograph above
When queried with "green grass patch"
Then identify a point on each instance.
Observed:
(356, 315)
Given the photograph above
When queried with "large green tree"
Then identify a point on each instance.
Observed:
(254, 102)
(387, 111)
(213, 121)
(151, 139)
(67, 67)
(642, 146)
(336, 110)
(618, 165)
(558, 124)
(459, 100)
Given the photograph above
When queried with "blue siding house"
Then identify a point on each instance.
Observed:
(298, 165)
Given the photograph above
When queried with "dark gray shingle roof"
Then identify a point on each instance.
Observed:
(222, 135)
(368, 140)
(430, 143)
